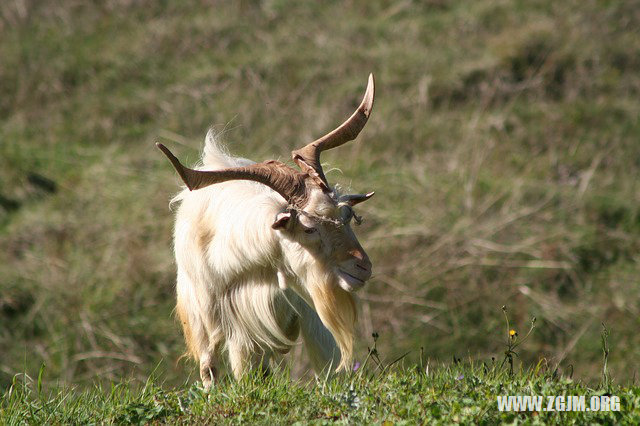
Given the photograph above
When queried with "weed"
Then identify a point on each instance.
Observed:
(604, 339)
(512, 340)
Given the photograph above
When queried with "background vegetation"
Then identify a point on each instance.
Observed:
(503, 149)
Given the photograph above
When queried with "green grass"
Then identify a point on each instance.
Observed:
(461, 393)
(503, 149)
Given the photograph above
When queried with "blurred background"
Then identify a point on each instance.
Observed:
(504, 149)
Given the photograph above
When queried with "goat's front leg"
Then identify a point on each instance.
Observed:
(208, 360)
(208, 372)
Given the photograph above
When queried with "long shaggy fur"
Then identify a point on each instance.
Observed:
(228, 296)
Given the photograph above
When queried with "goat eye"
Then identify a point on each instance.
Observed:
(310, 230)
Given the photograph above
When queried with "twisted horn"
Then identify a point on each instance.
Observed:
(286, 181)
(308, 157)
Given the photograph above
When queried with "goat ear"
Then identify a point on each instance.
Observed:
(282, 220)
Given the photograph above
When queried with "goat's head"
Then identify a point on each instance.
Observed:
(317, 217)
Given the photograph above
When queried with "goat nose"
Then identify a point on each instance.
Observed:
(363, 263)
(359, 254)
(364, 268)
(361, 266)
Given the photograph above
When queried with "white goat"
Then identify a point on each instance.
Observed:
(259, 262)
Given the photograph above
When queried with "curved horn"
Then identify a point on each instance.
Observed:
(308, 157)
(281, 178)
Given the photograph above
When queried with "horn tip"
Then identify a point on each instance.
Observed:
(164, 149)
(369, 95)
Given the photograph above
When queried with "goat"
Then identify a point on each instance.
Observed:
(265, 252)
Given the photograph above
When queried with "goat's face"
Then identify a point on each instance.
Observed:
(323, 229)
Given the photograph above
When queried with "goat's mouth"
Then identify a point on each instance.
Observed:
(349, 282)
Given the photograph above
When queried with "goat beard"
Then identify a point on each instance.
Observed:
(335, 307)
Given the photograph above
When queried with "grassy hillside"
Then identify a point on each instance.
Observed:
(503, 149)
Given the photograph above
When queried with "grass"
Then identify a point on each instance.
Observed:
(502, 149)
(378, 391)
(459, 393)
